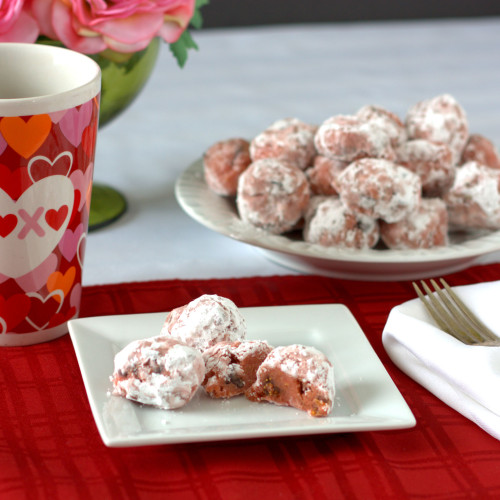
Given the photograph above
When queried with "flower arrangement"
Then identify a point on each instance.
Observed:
(94, 26)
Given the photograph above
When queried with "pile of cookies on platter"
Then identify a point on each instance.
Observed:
(364, 180)
(203, 345)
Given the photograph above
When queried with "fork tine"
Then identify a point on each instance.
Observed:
(438, 313)
(485, 333)
(459, 321)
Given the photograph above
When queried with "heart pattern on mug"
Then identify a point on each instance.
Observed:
(43, 193)
(88, 139)
(3, 144)
(25, 137)
(34, 280)
(76, 295)
(40, 167)
(80, 251)
(56, 116)
(14, 183)
(55, 218)
(13, 310)
(34, 238)
(69, 242)
(62, 282)
(62, 317)
(74, 122)
(82, 182)
(42, 309)
(7, 225)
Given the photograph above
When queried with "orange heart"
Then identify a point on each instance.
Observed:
(60, 281)
(25, 137)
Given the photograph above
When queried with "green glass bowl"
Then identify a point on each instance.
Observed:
(123, 78)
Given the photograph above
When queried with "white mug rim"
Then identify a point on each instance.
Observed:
(57, 101)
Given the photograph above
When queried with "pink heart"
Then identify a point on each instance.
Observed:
(3, 278)
(74, 122)
(57, 115)
(76, 294)
(3, 144)
(69, 242)
(37, 278)
(81, 182)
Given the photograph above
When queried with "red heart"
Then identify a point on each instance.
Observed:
(40, 167)
(7, 224)
(14, 309)
(43, 310)
(89, 139)
(76, 204)
(14, 183)
(56, 218)
(60, 318)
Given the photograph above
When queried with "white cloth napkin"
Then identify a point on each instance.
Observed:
(467, 378)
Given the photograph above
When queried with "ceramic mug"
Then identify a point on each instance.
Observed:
(49, 108)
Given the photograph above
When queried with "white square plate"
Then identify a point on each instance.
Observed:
(366, 398)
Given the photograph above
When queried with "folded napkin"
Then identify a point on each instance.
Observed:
(467, 378)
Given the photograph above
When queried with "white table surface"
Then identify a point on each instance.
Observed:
(238, 83)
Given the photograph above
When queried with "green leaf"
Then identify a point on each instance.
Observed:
(197, 19)
(180, 48)
(185, 42)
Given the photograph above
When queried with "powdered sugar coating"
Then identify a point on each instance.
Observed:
(158, 371)
(272, 195)
(481, 150)
(223, 163)
(426, 227)
(205, 321)
(432, 162)
(440, 119)
(322, 176)
(289, 139)
(347, 138)
(331, 223)
(387, 121)
(474, 198)
(298, 376)
(379, 189)
(231, 367)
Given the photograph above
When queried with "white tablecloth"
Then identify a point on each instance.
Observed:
(239, 82)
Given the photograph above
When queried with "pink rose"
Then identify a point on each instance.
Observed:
(90, 26)
(16, 22)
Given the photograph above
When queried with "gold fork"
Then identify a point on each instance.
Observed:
(453, 316)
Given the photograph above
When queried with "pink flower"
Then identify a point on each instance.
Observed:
(90, 26)
(16, 22)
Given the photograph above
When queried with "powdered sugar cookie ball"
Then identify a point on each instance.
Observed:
(289, 140)
(347, 138)
(205, 321)
(323, 174)
(158, 371)
(432, 162)
(298, 376)
(223, 163)
(482, 150)
(331, 223)
(387, 121)
(441, 120)
(379, 189)
(474, 198)
(425, 227)
(231, 367)
(272, 195)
